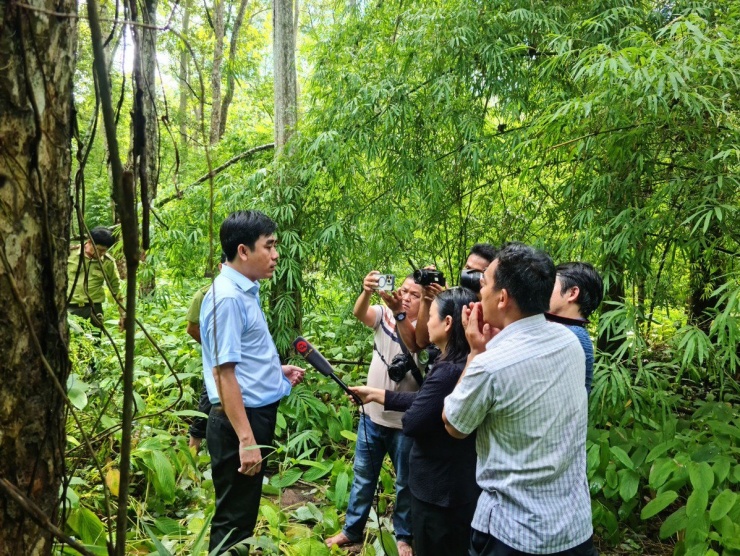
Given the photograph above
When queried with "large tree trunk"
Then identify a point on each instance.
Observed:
(37, 53)
(145, 128)
(218, 58)
(286, 293)
(284, 42)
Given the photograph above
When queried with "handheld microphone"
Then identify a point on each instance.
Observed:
(319, 362)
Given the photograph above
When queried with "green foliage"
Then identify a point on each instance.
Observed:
(605, 132)
(684, 470)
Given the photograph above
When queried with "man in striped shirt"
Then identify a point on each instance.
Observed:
(522, 390)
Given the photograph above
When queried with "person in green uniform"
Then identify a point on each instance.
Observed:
(89, 269)
(198, 426)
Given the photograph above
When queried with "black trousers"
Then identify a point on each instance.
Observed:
(440, 531)
(237, 495)
(199, 425)
(483, 544)
(92, 312)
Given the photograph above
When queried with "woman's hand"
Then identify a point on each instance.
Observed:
(368, 394)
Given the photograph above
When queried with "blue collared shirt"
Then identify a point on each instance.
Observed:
(243, 338)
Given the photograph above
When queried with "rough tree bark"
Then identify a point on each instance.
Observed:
(218, 58)
(37, 53)
(144, 118)
(284, 41)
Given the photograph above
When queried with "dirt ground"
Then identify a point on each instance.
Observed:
(631, 545)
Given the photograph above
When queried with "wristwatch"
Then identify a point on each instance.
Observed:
(400, 316)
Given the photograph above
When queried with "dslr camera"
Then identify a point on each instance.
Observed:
(425, 277)
(400, 365)
(471, 279)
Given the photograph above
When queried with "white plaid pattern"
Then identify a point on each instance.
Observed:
(525, 397)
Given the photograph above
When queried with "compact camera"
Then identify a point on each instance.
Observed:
(386, 282)
(471, 279)
(426, 276)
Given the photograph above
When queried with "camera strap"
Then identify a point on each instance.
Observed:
(415, 372)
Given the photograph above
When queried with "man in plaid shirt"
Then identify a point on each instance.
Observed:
(522, 390)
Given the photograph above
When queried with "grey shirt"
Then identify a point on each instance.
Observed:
(524, 395)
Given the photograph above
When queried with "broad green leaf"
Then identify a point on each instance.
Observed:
(722, 504)
(674, 523)
(659, 450)
(310, 547)
(162, 473)
(76, 392)
(349, 435)
(612, 480)
(660, 471)
(340, 490)
(657, 505)
(696, 504)
(621, 456)
(701, 476)
(287, 478)
(88, 526)
(629, 482)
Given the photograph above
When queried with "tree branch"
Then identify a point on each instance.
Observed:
(213, 173)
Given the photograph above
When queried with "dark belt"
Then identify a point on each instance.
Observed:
(82, 305)
(219, 407)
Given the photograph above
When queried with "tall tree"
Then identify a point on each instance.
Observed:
(38, 53)
(218, 57)
(231, 66)
(286, 91)
(285, 298)
(184, 87)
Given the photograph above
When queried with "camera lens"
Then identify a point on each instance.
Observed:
(471, 279)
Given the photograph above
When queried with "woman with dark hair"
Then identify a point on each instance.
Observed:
(441, 468)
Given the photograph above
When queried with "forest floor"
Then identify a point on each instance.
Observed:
(632, 544)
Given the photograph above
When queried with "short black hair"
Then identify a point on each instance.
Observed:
(589, 282)
(527, 274)
(450, 303)
(244, 227)
(485, 251)
(102, 236)
(223, 257)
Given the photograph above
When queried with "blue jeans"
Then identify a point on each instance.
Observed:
(373, 443)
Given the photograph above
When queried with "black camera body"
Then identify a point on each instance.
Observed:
(425, 277)
(400, 365)
(471, 279)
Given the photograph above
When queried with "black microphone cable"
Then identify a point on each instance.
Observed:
(320, 363)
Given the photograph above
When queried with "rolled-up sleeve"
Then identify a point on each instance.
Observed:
(471, 400)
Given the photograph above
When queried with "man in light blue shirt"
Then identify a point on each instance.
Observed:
(243, 375)
(522, 390)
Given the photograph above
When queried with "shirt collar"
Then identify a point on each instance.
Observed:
(521, 325)
(244, 283)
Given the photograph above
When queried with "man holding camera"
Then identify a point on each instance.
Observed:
(379, 432)
(522, 391)
(481, 255)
